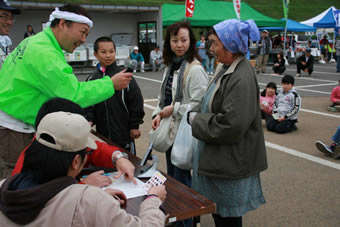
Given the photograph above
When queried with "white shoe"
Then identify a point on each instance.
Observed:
(134, 71)
(142, 71)
(298, 75)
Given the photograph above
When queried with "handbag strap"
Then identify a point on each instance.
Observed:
(181, 80)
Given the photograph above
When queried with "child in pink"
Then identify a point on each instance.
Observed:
(267, 99)
(335, 99)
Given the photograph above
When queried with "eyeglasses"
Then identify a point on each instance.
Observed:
(7, 18)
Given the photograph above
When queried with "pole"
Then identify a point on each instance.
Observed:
(285, 40)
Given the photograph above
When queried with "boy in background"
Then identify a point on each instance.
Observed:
(286, 108)
(117, 118)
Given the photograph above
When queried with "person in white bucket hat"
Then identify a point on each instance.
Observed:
(46, 189)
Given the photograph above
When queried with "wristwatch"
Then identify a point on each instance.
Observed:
(117, 155)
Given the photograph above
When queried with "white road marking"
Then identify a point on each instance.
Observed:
(304, 155)
(145, 78)
(316, 72)
(290, 151)
(150, 100)
(149, 106)
(320, 113)
(316, 85)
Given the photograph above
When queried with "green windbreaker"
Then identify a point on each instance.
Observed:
(37, 71)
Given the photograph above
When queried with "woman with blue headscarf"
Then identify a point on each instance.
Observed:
(230, 153)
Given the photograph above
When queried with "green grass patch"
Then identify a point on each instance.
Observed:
(299, 10)
(109, 2)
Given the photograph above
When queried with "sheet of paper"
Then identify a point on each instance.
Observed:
(130, 189)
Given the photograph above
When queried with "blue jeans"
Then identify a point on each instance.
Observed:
(338, 63)
(336, 136)
(210, 65)
(183, 176)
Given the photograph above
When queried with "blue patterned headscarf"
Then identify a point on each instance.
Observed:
(234, 34)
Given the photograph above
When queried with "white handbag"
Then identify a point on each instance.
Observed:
(163, 137)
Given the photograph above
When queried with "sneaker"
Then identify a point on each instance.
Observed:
(332, 109)
(142, 71)
(134, 71)
(298, 75)
(324, 148)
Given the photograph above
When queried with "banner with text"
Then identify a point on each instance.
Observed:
(237, 8)
(189, 8)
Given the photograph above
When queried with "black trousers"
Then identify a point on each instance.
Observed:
(303, 67)
(279, 69)
(227, 221)
(279, 126)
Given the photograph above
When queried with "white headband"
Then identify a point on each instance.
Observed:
(57, 14)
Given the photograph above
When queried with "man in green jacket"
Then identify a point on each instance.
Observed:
(37, 71)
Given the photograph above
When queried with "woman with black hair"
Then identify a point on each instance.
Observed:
(29, 32)
(184, 83)
(279, 64)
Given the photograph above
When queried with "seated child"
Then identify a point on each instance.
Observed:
(335, 99)
(286, 108)
(267, 99)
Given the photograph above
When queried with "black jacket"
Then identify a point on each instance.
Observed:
(309, 63)
(116, 116)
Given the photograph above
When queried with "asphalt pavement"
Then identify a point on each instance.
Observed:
(301, 185)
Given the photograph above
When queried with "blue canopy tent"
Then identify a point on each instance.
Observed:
(292, 26)
(326, 19)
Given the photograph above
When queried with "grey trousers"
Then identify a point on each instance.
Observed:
(261, 62)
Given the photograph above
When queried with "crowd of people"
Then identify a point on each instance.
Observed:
(46, 116)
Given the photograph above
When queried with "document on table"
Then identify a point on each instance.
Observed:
(130, 189)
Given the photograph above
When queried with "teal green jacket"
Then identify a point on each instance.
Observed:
(37, 71)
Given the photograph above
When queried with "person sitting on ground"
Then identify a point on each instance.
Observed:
(118, 117)
(286, 108)
(156, 59)
(47, 190)
(332, 150)
(305, 62)
(267, 99)
(335, 99)
(279, 64)
(135, 55)
(105, 155)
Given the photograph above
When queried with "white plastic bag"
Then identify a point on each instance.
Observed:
(181, 154)
(163, 137)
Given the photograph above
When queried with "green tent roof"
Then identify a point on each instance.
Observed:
(208, 13)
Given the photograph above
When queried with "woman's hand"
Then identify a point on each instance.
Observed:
(119, 195)
(167, 111)
(135, 133)
(160, 191)
(155, 122)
